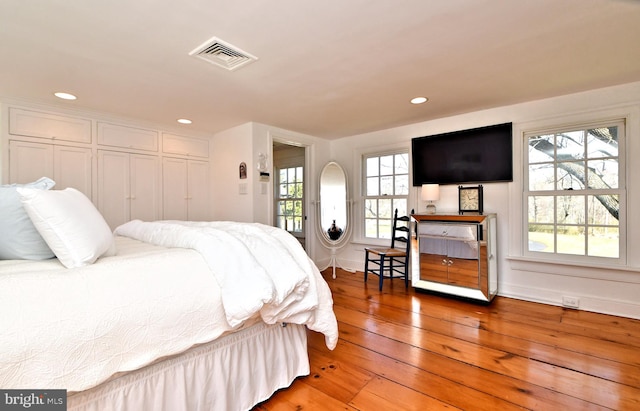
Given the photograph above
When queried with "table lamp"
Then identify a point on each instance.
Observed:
(431, 193)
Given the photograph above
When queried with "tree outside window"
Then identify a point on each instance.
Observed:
(573, 191)
(289, 210)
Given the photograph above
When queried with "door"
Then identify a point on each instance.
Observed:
(198, 194)
(185, 194)
(290, 189)
(113, 187)
(29, 161)
(175, 190)
(144, 180)
(128, 187)
(72, 168)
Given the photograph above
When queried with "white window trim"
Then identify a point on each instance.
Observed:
(357, 210)
(517, 209)
(620, 191)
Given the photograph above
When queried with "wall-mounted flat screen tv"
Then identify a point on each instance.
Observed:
(479, 155)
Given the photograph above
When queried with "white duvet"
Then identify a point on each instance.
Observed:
(259, 268)
(75, 328)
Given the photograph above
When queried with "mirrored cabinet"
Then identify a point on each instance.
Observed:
(455, 254)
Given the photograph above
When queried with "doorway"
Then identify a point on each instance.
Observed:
(290, 189)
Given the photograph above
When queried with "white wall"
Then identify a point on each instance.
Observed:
(245, 143)
(317, 154)
(609, 289)
(230, 148)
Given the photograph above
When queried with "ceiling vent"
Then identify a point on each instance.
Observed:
(220, 53)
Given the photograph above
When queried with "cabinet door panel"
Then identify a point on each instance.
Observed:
(113, 187)
(186, 146)
(127, 137)
(198, 189)
(145, 187)
(72, 168)
(47, 125)
(174, 189)
(29, 161)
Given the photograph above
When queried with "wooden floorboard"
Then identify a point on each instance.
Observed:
(405, 350)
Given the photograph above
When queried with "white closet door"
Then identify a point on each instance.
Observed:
(72, 168)
(198, 189)
(145, 187)
(174, 189)
(29, 161)
(113, 187)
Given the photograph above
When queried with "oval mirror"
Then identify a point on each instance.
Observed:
(333, 204)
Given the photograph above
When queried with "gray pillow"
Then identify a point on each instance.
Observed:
(19, 239)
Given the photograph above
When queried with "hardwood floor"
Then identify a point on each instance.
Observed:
(405, 350)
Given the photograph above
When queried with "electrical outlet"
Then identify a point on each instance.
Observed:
(570, 302)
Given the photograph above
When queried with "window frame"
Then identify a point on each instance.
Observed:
(362, 217)
(278, 198)
(621, 191)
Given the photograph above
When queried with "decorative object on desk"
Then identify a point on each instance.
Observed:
(334, 231)
(470, 199)
(431, 193)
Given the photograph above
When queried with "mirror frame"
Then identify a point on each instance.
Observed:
(322, 202)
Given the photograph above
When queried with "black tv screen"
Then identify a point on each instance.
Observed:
(479, 155)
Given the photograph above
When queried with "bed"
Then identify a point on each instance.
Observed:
(156, 315)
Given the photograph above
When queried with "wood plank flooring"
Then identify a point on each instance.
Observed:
(405, 350)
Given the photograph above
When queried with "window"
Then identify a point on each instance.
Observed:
(289, 200)
(573, 190)
(386, 188)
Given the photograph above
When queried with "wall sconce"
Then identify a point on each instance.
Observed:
(431, 193)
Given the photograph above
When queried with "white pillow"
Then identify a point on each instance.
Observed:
(19, 239)
(70, 224)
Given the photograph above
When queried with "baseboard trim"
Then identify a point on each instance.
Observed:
(587, 302)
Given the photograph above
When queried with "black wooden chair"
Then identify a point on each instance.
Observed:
(392, 262)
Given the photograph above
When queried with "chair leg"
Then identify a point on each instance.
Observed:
(366, 265)
(406, 273)
(381, 271)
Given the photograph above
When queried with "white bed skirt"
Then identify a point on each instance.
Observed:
(234, 372)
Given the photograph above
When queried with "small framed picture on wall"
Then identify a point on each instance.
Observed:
(243, 170)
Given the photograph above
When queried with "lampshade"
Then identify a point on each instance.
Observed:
(430, 192)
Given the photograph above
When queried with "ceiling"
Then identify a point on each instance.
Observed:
(329, 68)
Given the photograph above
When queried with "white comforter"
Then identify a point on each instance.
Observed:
(259, 268)
(75, 328)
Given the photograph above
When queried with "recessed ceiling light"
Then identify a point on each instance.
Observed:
(65, 96)
(418, 100)
(184, 121)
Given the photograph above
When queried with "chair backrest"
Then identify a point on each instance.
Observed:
(401, 232)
